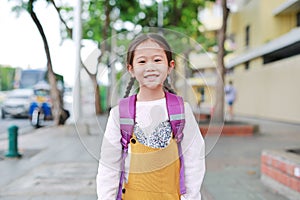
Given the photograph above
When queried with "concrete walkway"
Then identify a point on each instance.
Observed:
(61, 162)
(233, 163)
(57, 162)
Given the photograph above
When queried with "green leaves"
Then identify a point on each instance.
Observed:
(7, 75)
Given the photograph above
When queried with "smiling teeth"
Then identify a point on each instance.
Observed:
(151, 76)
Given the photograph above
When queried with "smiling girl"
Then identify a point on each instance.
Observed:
(157, 163)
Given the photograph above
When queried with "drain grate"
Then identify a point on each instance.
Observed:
(296, 151)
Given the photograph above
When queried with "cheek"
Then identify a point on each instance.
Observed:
(166, 70)
(137, 73)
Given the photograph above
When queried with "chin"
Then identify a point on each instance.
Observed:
(152, 86)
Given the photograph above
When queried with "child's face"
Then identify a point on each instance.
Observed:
(150, 66)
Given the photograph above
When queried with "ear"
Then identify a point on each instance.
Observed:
(130, 70)
(171, 66)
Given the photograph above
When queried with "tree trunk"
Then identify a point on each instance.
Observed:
(218, 115)
(59, 114)
(103, 48)
(97, 96)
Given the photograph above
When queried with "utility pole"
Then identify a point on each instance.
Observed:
(113, 96)
(77, 35)
(160, 15)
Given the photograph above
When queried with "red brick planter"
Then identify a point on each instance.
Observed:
(202, 116)
(231, 128)
(280, 170)
(228, 129)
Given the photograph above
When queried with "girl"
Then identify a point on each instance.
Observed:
(152, 166)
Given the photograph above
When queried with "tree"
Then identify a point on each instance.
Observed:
(181, 15)
(96, 28)
(7, 74)
(106, 8)
(178, 15)
(60, 115)
(100, 17)
(219, 107)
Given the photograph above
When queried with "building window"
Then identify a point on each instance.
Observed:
(298, 19)
(229, 70)
(201, 90)
(247, 64)
(231, 43)
(247, 38)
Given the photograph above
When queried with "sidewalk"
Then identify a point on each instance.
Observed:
(61, 162)
(233, 163)
(57, 163)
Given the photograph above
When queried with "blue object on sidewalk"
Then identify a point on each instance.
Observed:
(46, 109)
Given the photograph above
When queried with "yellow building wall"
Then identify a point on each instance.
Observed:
(271, 91)
(264, 26)
(256, 64)
(270, 26)
(181, 85)
(267, 91)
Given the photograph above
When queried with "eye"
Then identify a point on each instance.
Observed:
(157, 60)
(141, 61)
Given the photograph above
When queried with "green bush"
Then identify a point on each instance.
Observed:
(7, 76)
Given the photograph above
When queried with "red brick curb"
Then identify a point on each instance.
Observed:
(202, 116)
(228, 130)
(282, 167)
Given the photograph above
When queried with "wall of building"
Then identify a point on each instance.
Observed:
(270, 26)
(265, 91)
(270, 91)
(264, 26)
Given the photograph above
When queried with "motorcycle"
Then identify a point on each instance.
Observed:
(40, 108)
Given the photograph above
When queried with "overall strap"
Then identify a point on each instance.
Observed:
(127, 118)
(175, 106)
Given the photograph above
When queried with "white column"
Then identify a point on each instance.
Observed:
(113, 57)
(160, 15)
(77, 35)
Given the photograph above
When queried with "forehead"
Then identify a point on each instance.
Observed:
(148, 45)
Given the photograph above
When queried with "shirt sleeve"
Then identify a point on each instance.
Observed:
(108, 176)
(193, 149)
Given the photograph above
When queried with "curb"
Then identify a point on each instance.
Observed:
(22, 131)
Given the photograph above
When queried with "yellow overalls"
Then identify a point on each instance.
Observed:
(154, 173)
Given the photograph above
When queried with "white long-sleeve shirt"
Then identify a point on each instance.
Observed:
(149, 114)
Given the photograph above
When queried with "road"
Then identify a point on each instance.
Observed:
(23, 124)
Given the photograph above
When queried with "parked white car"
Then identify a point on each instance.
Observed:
(17, 103)
(2, 96)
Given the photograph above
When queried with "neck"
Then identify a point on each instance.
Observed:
(150, 95)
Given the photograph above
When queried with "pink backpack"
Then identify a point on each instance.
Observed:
(175, 107)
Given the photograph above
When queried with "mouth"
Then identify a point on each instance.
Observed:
(150, 76)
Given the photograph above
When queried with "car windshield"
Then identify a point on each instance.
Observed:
(31, 77)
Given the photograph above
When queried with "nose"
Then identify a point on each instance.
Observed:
(150, 67)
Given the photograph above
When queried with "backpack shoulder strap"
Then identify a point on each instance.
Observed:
(175, 106)
(127, 118)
